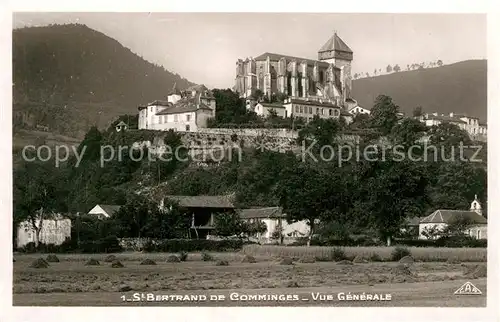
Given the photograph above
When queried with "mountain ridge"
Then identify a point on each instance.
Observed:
(69, 77)
(459, 87)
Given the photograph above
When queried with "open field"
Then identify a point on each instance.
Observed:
(71, 282)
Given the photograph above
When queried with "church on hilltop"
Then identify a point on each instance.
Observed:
(326, 79)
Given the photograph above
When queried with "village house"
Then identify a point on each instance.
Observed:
(275, 220)
(469, 124)
(355, 110)
(54, 231)
(265, 109)
(183, 111)
(442, 218)
(104, 211)
(202, 211)
(305, 109)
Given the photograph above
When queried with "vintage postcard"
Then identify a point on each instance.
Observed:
(176, 159)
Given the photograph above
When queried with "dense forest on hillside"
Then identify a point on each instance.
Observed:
(460, 88)
(70, 77)
(374, 194)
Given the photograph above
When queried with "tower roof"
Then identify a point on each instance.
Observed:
(335, 44)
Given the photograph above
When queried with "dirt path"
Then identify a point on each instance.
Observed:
(435, 294)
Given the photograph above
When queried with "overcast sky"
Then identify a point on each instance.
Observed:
(204, 47)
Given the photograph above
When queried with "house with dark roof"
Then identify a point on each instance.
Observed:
(202, 210)
(442, 218)
(275, 221)
(185, 111)
(104, 211)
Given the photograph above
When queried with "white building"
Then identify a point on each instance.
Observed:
(264, 109)
(186, 111)
(54, 231)
(307, 109)
(104, 211)
(469, 124)
(274, 220)
(355, 110)
(442, 218)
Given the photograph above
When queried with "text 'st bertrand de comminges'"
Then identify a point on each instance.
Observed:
(235, 296)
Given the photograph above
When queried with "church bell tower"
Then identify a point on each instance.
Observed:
(336, 52)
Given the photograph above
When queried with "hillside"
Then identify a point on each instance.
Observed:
(69, 77)
(459, 88)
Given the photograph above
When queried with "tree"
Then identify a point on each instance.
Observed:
(408, 132)
(384, 114)
(310, 192)
(356, 75)
(258, 95)
(323, 131)
(448, 135)
(417, 111)
(388, 68)
(397, 68)
(133, 217)
(228, 224)
(230, 107)
(169, 222)
(39, 195)
(367, 75)
(375, 72)
(254, 228)
(392, 192)
(440, 63)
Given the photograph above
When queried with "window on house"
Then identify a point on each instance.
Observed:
(176, 118)
(336, 113)
(296, 109)
(188, 117)
(317, 110)
(478, 234)
(330, 112)
(187, 128)
(310, 110)
(301, 109)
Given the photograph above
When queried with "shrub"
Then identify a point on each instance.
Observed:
(222, 263)
(338, 254)
(399, 252)
(206, 257)
(375, 257)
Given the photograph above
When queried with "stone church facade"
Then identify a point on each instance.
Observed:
(328, 78)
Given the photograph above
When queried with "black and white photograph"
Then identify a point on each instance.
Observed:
(236, 159)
